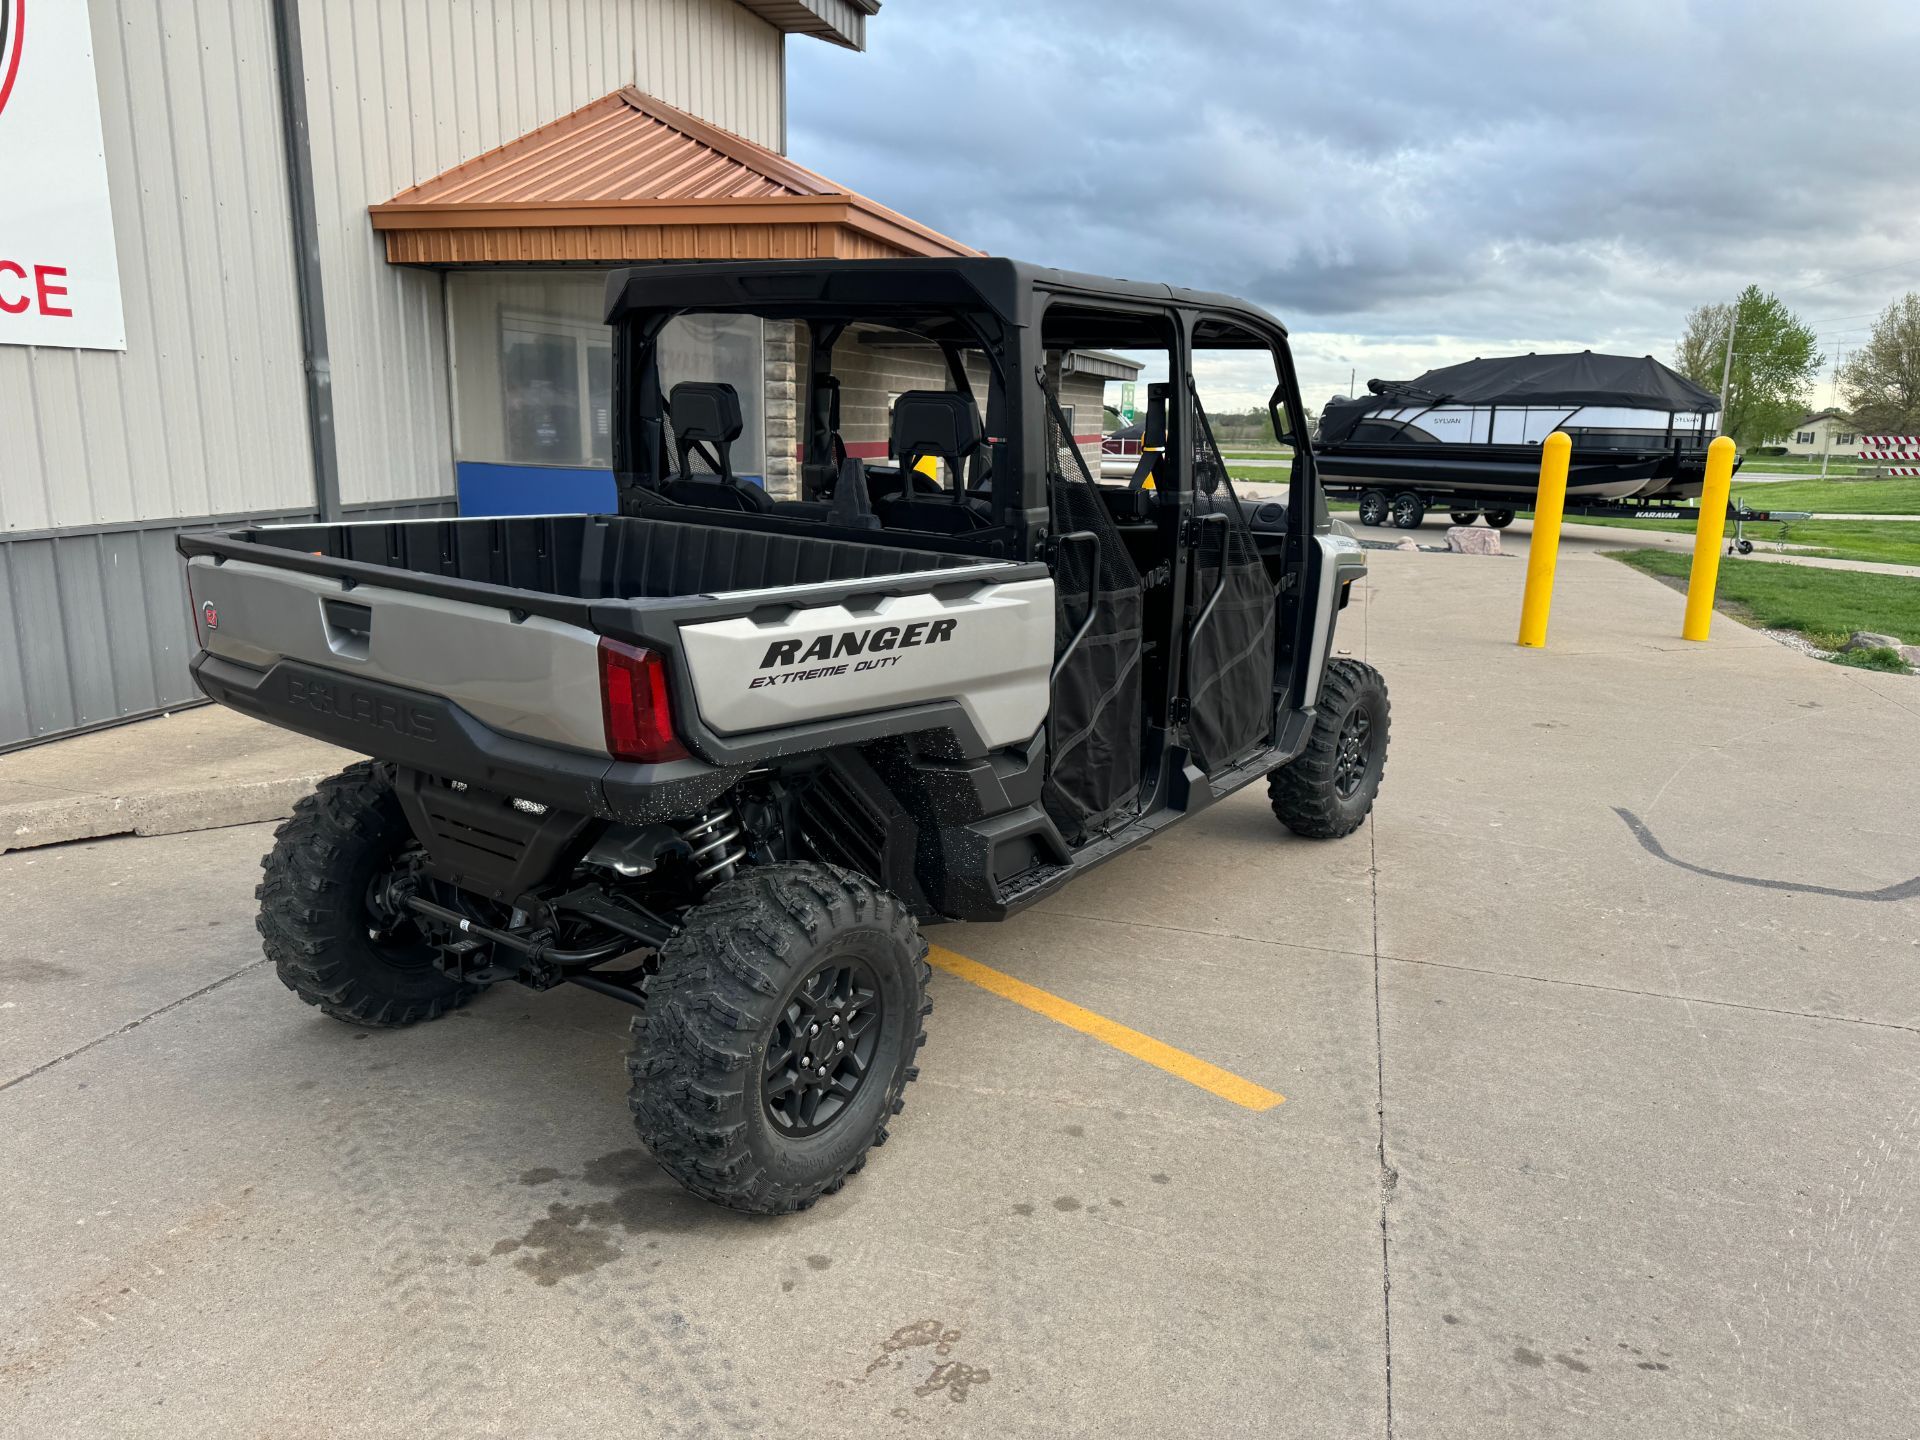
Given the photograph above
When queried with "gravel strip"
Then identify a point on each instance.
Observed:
(1793, 640)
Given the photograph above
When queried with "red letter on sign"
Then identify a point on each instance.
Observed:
(12, 307)
(48, 293)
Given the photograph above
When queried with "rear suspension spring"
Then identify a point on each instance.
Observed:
(718, 845)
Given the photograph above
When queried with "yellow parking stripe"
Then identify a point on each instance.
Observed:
(1189, 1068)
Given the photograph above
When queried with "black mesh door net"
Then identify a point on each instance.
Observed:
(1094, 720)
(1229, 667)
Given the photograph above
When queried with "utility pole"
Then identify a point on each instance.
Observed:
(1726, 371)
(1826, 455)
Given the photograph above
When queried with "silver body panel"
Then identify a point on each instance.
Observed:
(537, 678)
(992, 659)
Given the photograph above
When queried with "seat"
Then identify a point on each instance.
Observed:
(705, 416)
(941, 425)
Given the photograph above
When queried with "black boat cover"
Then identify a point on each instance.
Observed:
(1628, 381)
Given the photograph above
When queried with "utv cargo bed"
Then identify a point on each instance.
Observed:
(553, 563)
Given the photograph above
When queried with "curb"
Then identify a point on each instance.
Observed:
(152, 812)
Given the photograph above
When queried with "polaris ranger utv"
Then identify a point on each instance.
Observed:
(719, 755)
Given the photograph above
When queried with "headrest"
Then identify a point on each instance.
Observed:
(944, 423)
(705, 410)
(1154, 435)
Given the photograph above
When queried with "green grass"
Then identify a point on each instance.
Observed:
(1893, 542)
(1824, 605)
(1835, 497)
(1873, 657)
(1798, 465)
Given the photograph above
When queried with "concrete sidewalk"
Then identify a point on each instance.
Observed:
(190, 770)
(1598, 1043)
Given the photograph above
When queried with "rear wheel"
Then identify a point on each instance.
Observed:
(331, 944)
(1373, 507)
(1499, 519)
(1328, 789)
(1407, 510)
(1463, 517)
(780, 1030)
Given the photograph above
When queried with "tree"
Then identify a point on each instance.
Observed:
(1880, 385)
(1774, 363)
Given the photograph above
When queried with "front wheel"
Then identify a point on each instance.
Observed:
(780, 1030)
(1373, 507)
(1327, 790)
(1499, 519)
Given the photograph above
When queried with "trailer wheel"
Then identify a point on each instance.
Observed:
(1407, 510)
(329, 944)
(1327, 790)
(1499, 519)
(780, 1030)
(1373, 507)
(1463, 517)
(1744, 546)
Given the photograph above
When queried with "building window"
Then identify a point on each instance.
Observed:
(556, 381)
(1804, 437)
(1843, 439)
(533, 369)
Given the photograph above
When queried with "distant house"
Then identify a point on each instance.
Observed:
(1822, 432)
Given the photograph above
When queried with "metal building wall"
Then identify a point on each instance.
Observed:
(399, 90)
(104, 454)
(203, 414)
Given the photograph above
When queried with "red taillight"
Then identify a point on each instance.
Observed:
(635, 705)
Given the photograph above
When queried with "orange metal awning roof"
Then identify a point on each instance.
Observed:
(628, 178)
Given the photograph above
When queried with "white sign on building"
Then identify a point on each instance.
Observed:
(59, 275)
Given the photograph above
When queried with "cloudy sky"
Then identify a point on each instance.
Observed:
(1404, 184)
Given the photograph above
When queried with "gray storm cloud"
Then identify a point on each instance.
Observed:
(1404, 184)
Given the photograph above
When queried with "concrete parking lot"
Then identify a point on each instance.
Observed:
(1599, 1048)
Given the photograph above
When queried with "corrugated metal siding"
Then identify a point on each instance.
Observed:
(400, 90)
(100, 631)
(95, 627)
(204, 413)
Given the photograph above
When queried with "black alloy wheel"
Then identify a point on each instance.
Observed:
(1373, 507)
(1353, 755)
(822, 1047)
(1407, 510)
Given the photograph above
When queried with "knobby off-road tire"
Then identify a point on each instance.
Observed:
(1328, 789)
(328, 947)
(740, 982)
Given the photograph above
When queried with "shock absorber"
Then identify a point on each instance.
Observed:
(718, 845)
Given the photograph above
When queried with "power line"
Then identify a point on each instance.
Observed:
(1845, 275)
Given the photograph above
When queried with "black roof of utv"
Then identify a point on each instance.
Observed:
(885, 289)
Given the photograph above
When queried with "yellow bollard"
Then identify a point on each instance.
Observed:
(1543, 550)
(1705, 576)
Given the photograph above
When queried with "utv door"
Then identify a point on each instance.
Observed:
(1228, 686)
(1094, 719)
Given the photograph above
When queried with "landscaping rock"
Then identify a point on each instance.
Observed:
(1868, 640)
(1473, 540)
(1407, 544)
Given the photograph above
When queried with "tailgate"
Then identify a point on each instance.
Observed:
(524, 675)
